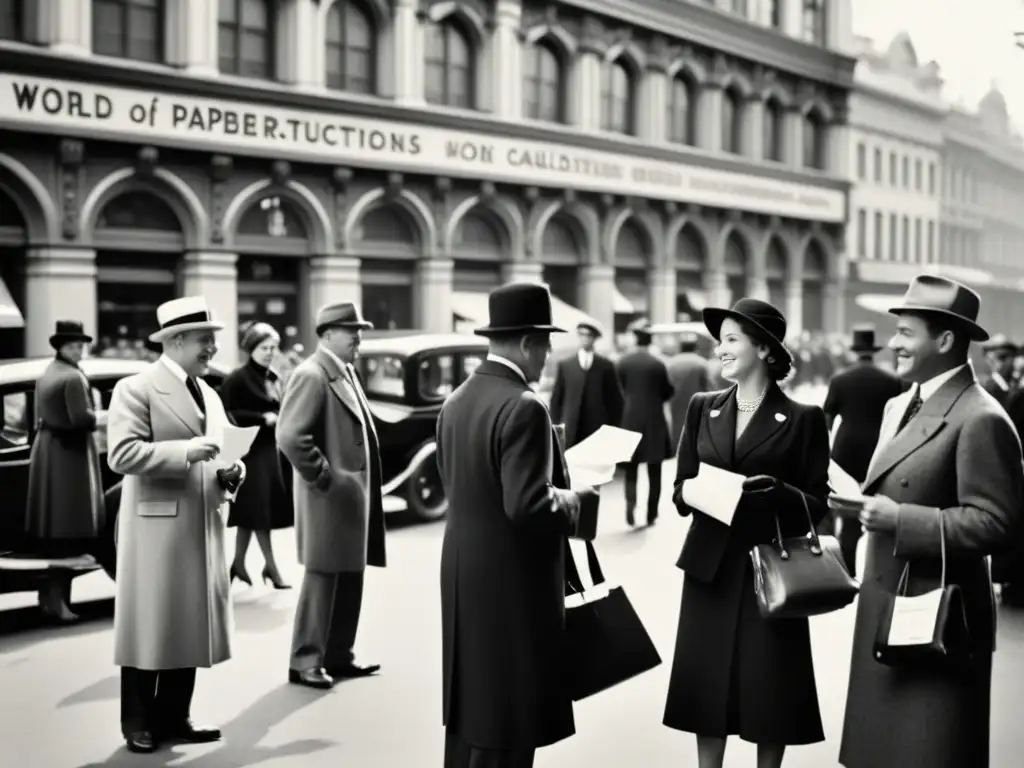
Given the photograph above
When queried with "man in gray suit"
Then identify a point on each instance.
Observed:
(948, 459)
(689, 374)
(326, 432)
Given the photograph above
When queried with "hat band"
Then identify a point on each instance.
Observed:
(195, 317)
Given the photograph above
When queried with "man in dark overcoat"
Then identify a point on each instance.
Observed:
(1000, 353)
(502, 560)
(587, 394)
(646, 386)
(327, 433)
(65, 512)
(689, 373)
(947, 458)
(857, 396)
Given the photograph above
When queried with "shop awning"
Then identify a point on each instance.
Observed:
(10, 315)
(879, 302)
(621, 305)
(471, 311)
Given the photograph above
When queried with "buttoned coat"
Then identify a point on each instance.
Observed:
(646, 388)
(339, 511)
(502, 566)
(173, 607)
(585, 400)
(959, 458)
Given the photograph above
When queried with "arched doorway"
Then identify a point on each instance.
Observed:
(691, 262)
(272, 241)
(13, 246)
(814, 286)
(387, 241)
(735, 266)
(139, 242)
(632, 260)
(561, 253)
(479, 247)
(775, 269)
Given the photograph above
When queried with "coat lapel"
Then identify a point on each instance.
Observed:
(337, 381)
(178, 399)
(772, 416)
(722, 425)
(922, 428)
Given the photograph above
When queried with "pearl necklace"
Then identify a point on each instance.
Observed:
(749, 406)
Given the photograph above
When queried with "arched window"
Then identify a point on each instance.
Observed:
(351, 40)
(682, 112)
(245, 38)
(449, 61)
(814, 21)
(128, 29)
(814, 142)
(772, 130)
(732, 113)
(544, 85)
(618, 98)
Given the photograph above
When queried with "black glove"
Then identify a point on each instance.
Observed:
(230, 478)
(761, 484)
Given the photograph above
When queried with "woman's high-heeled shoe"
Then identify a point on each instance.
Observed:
(240, 574)
(277, 584)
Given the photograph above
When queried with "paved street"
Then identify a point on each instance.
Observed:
(61, 689)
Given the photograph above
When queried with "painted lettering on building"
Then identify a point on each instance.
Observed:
(62, 106)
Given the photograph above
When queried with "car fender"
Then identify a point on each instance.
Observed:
(424, 453)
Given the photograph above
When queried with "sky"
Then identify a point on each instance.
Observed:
(972, 40)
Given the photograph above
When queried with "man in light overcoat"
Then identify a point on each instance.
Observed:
(326, 431)
(947, 457)
(172, 612)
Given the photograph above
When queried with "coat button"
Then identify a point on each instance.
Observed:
(904, 483)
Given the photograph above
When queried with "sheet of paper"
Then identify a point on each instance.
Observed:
(913, 619)
(609, 445)
(835, 431)
(842, 482)
(715, 492)
(589, 477)
(236, 442)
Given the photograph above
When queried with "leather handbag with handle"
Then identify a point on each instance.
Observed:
(801, 576)
(928, 630)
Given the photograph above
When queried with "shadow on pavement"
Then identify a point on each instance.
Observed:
(107, 689)
(257, 617)
(94, 617)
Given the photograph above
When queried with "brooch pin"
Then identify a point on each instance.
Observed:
(780, 418)
(714, 413)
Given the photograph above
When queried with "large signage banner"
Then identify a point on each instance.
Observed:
(54, 106)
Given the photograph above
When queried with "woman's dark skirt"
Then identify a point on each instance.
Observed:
(734, 673)
(264, 502)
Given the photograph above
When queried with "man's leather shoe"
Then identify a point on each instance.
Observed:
(141, 742)
(193, 734)
(355, 670)
(311, 678)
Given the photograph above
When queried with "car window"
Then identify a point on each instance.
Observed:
(384, 375)
(15, 432)
(435, 378)
(470, 362)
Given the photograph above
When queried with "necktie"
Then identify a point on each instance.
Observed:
(915, 405)
(197, 394)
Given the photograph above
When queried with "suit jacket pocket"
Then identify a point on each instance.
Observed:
(166, 508)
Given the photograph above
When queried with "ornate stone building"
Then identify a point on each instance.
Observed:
(641, 159)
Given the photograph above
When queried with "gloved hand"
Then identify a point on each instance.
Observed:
(230, 478)
(762, 484)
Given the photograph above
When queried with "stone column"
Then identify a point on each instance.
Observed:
(215, 276)
(753, 128)
(653, 117)
(67, 25)
(192, 36)
(834, 315)
(597, 289)
(301, 46)
(662, 295)
(522, 271)
(716, 288)
(709, 121)
(757, 288)
(506, 61)
(794, 307)
(585, 104)
(839, 32)
(793, 138)
(792, 18)
(327, 280)
(433, 299)
(407, 44)
(60, 284)
(838, 147)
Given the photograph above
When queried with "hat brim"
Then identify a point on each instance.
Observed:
(173, 330)
(488, 330)
(975, 331)
(362, 325)
(58, 340)
(714, 317)
(866, 348)
(590, 327)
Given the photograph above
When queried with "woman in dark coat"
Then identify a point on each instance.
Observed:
(734, 673)
(64, 513)
(252, 397)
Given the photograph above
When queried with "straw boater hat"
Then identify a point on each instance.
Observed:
(942, 297)
(1000, 343)
(190, 313)
(760, 314)
(68, 331)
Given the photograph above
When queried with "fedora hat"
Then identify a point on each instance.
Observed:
(190, 313)
(1000, 343)
(863, 339)
(343, 315)
(519, 308)
(934, 295)
(764, 317)
(67, 331)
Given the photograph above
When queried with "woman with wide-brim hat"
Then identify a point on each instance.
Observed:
(733, 672)
(64, 513)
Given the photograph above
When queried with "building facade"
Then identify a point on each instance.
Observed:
(412, 155)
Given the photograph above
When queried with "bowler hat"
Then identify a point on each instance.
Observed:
(764, 317)
(934, 295)
(343, 315)
(1000, 343)
(864, 339)
(189, 313)
(519, 308)
(67, 331)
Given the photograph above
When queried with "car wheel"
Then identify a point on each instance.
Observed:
(424, 493)
(106, 549)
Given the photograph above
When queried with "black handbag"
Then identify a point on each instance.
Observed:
(606, 643)
(800, 577)
(938, 637)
